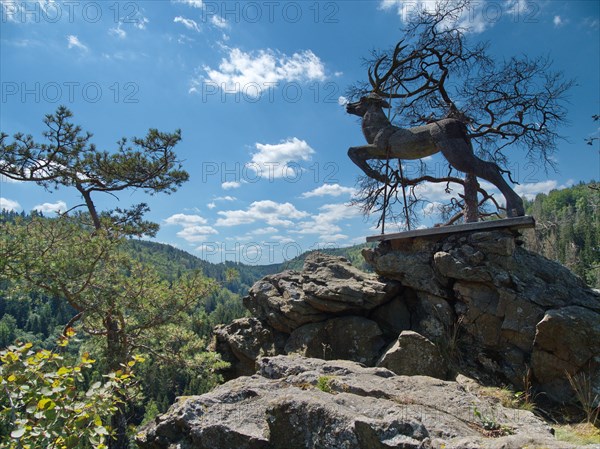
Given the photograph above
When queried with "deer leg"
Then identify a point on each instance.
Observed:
(360, 156)
(491, 172)
(460, 155)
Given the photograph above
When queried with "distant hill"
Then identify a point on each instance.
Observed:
(352, 253)
(171, 262)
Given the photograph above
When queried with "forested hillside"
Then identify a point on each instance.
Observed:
(172, 262)
(568, 229)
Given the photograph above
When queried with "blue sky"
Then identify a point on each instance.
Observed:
(255, 88)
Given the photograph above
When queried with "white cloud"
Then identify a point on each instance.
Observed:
(591, 22)
(275, 160)
(141, 22)
(432, 208)
(219, 22)
(213, 203)
(530, 190)
(185, 220)
(471, 18)
(343, 101)
(193, 230)
(324, 223)
(227, 185)
(436, 191)
(51, 208)
(48, 5)
(329, 190)
(271, 212)
(118, 31)
(195, 234)
(188, 23)
(255, 72)
(192, 3)
(23, 43)
(6, 204)
(74, 42)
(281, 239)
(518, 8)
(4, 178)
(24, 12)
(558, 21)
(263, 231)
(10, 10)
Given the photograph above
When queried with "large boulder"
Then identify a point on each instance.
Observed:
(242, 342)
(348, 338)
(557, 350)
(295, 403)
(327, 286)
(414, 355)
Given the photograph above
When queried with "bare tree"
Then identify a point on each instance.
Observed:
(434, 74)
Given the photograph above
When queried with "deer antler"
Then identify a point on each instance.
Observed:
(378, 81)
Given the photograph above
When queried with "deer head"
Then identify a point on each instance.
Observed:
(361, 106)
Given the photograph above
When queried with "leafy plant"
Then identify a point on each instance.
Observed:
(487, 422)
(46, 405)
(324, 384)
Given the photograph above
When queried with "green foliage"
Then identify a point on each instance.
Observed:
(568, 229)
(8, 327)
(93, 273)
(488, 422)
(508, 398)
(47, 405)
(324, 384)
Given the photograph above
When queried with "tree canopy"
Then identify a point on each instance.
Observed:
(68, 158)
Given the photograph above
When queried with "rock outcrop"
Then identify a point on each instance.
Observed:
(511, 313)
(495, 311)
(295, 402)
(321, 311)
(326, 287)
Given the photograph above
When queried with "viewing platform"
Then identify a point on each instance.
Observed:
(505, 223)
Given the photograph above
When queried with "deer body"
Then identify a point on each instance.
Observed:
(448, 136)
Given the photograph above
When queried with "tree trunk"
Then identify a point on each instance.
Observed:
(471, 202)
(91, 207)
(116, 355)
(118, 423)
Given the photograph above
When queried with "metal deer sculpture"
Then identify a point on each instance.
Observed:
(448, 136)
